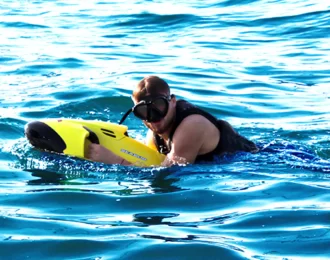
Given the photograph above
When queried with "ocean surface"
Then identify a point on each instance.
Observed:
(262, 65)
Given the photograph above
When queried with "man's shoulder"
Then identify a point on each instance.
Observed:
(195, 121)
(185, 103)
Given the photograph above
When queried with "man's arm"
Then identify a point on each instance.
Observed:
(195, 135)
(99, 153)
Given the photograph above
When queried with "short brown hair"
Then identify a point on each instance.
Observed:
(150, 85)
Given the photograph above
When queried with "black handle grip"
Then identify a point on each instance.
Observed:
(92, 136)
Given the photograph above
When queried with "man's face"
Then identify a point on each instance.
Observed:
(158, 111)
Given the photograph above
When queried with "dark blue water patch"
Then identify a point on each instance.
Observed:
(39, 109)
(71, 203)
(276, 219)
(295, 156)
(221, 45)
(70, 60)
(6, 59)
(11, 128)
(244, 110)
(287, 25)
(115, 105)
(101, 56)
(186, 247)
(22, 25)
(306, 32)
(104, 3)
(303, 54)
(37, 114)
(151, 22)
(82, 248)
(193, 73)
(74, 15)
(309, 44)
(52, 74)
(84, 201)
(54, 168)
(205, 92)
(259, 244)
(297, 76)
(303, 135)
(295, 83)
(25, 224)
(105, 47)
(23, 11)
(251, 40)
(215, 23)
(308, 78)
(266, 70)
(115, 36)
(278, 153)
(225, 3)
(309, 244)
(247, 236)
(70, 26)
(264, 88)
(153, 218)
(322, 149)
(90, 108)
(113, 55)
(38, 104)
(319, 17)
(74, 95)
(34, 69)
(147, 57)
(70, 63)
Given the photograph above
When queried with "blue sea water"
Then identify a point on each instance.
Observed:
(263, 65)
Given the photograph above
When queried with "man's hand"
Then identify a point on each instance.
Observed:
(98, 153)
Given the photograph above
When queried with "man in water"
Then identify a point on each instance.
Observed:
(183, 132)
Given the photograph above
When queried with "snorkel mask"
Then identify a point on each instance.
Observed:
(150, 109)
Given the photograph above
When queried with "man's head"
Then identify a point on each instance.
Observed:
(154, 104)
(150, 86)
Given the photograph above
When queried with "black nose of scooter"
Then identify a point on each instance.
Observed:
(43, 137)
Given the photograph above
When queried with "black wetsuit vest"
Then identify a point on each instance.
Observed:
(230, 140)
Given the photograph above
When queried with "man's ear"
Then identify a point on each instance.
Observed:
(133, 100)
(173, 100)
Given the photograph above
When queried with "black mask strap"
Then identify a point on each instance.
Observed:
(125, 115)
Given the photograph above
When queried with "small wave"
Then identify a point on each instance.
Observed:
(152, 22)
(319, 17)
(23, 25)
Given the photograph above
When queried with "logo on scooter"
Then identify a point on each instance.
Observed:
(133, 154)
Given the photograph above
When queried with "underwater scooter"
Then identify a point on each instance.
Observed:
(72, 137)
